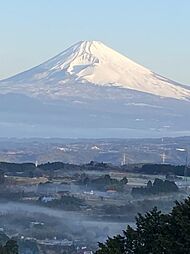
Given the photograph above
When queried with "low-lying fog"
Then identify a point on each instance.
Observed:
(18, 217)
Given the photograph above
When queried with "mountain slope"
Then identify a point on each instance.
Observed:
(90, 90)
(92, 62)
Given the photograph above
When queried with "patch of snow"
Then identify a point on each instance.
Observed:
(95, 148)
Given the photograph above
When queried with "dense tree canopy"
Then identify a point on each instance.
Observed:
(155, 233)
(157, 187)
(10, 247)
(103, 183)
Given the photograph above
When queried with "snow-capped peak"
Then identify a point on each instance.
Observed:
(95, 63)
(82, 56)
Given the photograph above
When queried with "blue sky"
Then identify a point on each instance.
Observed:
(155, 34)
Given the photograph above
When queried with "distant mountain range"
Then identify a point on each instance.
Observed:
(90, 90)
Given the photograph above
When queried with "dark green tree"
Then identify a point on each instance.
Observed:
(179, 228)
(10, 247)
(124, 180)
(155, 233)
(149, 184)
(115, 245)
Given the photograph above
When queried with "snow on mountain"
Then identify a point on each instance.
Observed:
(91, 64)
(90, 90)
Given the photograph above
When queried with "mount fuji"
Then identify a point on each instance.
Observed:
(90, 90)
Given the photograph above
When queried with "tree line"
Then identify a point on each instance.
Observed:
(159, 186)
(155, 233)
